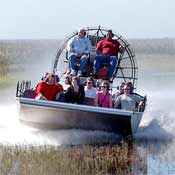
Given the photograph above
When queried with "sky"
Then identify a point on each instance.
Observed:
(55, 19)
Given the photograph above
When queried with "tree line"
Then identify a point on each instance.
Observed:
(153, 46)
(14, 53)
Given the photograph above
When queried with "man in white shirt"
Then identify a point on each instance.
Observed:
(127, 100)
(78, 47)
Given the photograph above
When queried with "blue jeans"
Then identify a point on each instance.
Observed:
(111, 60)
(72, 61)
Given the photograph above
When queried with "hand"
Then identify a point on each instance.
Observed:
(40, 97)
(122, 49)
(141, 103)
(98, 52)
(79, 54)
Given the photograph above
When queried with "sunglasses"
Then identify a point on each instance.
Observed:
(104, 86)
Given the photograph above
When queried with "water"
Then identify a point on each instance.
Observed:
(154, 139)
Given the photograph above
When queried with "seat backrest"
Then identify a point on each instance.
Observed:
(89, 101)
(95, 39)
(29, 93)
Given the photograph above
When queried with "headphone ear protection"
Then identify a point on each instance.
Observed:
(108, 87)
(84, 33)
(93, 82)
(57, 79)
(117, 87)
(47, 79)
(131, 90)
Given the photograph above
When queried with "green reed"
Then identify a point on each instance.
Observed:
(73, 160)
(4, 61)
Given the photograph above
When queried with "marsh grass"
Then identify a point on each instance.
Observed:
(70, 160)
(7, 81)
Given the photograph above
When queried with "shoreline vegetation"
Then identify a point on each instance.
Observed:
(15, 53)
(7, 81)
(19, 55)
(72, 160)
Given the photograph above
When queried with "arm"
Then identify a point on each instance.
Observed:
(121, 49)
(96, 100)
(117, 102)
(139, 100)
(81, 94)
(99, 48)
(59, 91)
(39, 90)
(68, 94)
(40, 96)
(88, 47)
(110, 101)
(70, 47)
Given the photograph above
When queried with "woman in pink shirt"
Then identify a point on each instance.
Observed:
(104, 97)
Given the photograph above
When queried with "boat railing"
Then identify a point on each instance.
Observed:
(141, 108)
(24, 89)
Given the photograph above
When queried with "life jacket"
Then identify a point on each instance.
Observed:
(103, 72)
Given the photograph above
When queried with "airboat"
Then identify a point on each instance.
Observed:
(61, 115)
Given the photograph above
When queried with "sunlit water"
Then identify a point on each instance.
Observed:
(13, 132)
(156, 128)
(157, 124)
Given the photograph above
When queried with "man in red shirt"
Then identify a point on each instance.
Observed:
(48, 89)
(107, 52)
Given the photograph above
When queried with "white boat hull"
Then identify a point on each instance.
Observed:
(50, 114)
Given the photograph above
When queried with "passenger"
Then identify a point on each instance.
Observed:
(131, 86)
(120, 91)
(75, 93)
(44, 77)
(57, 79)
(129, 83)
(67, 82)
(66, 85)
(90, 93)
(127, 100)
(104, 97)
(48, 89)
(98, 84)
(107, 52)
(78, 47)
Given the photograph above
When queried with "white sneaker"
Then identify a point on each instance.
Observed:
(79, 73)
(73, 73)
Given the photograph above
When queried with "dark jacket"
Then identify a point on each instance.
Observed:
(72, 97)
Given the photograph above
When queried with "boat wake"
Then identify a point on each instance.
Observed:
(158, 121)
(157, 125)
(12, 132)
